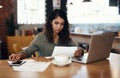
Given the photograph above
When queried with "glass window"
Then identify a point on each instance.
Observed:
(30, 11)
(96, 11)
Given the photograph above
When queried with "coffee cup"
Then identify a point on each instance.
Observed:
(61, 59)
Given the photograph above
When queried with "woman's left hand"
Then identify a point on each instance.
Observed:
(78, 53)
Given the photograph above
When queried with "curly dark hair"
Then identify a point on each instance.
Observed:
(64, 37)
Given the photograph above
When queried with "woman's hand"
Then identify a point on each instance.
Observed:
(78, 53)
(16, 57)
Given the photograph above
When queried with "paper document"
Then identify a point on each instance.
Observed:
(64, 50)
(32, 65)
(24, 48)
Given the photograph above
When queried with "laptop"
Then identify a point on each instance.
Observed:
(99, 49)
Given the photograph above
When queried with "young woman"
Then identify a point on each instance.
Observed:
(55, 33)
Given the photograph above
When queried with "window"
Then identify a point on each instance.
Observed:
(96, 11)
(30, 11)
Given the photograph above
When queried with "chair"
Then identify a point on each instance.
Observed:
(16, 43)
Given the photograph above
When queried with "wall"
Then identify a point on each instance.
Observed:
(8, 7)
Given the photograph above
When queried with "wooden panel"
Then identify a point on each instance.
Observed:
(8, 7)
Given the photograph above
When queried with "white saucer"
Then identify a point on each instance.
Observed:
(63, 64)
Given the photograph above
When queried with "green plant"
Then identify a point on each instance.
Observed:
(11, 25)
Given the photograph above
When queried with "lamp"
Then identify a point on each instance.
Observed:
(0, 6)
(87, 1)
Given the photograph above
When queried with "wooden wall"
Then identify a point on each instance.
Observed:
(8, 7)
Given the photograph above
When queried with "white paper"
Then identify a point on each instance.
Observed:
(64, 50)
(32, 65)
(24, 48)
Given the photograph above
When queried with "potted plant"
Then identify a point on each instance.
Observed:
(11, 25)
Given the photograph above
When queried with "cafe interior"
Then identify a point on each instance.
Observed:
(22, 20)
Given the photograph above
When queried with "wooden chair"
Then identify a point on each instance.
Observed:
(16, 43)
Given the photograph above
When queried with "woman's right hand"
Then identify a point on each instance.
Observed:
(16, 57)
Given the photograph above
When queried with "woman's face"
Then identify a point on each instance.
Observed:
(57, 24)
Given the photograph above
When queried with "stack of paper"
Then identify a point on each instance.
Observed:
(65, 50)
(32, 65)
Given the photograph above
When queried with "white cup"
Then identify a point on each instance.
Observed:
(61, 59)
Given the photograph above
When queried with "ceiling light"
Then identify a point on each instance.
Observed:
(0, 6)
(87, 1)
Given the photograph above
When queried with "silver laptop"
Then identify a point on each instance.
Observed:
(99, 49)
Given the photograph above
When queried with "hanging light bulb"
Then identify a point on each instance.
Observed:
(1, 6)
(87, 1)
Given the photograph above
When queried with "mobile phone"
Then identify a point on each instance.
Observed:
(17, 63)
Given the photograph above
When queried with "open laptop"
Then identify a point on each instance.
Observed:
(99, 49)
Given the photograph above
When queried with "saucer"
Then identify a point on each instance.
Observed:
(61, 64)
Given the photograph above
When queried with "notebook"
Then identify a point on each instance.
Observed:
(99, 49)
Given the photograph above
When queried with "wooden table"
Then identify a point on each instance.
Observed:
(109, 68)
